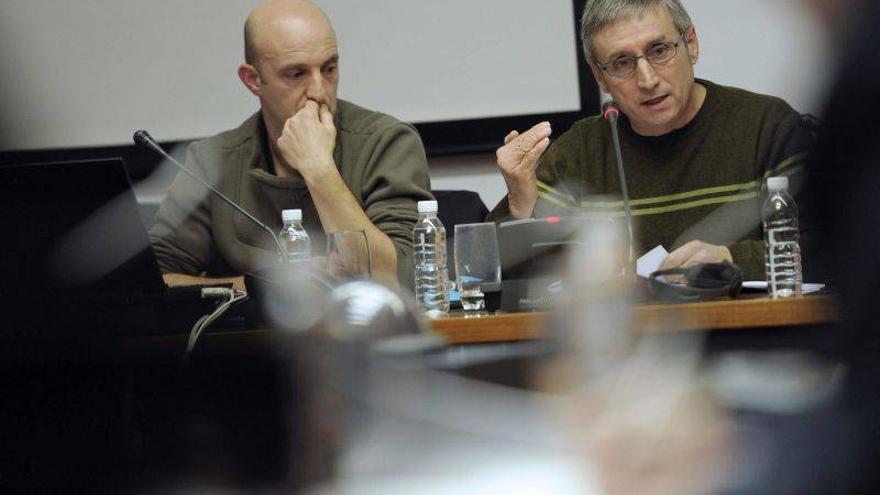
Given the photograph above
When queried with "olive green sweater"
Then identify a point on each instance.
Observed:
(381, 160)
(704, 181)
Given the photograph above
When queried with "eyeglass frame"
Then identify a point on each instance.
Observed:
(674, 45)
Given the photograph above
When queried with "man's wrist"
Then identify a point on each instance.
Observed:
(317, 166)
(522, 204)
(319, 171)
(521, 211)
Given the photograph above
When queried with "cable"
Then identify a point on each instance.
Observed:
(232, 297)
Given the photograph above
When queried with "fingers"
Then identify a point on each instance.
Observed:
(680, 256)
(531, 159)
(326, 116)
(533, 136)
(310, 109)
(528, 140)
(524, 149)
(696, 252)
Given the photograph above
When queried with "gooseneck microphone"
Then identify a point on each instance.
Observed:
(143, 139)
(611, 112)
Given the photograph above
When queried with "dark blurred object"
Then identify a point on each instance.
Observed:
(80, 270)
(76, 227)
(836, 449)
(702, 282)
(846, 177)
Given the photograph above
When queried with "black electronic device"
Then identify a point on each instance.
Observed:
(701, 282)
(73, 226)
(78, 265)
(532, 253)
(535, 247)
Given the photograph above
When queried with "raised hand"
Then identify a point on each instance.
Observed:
(518, 159)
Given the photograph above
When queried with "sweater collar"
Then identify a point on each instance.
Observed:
(702, 114)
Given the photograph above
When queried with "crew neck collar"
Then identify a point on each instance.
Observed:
(701, 115)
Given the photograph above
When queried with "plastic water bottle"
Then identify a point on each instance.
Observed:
(429, 246)
(781, 240)
(295, 239)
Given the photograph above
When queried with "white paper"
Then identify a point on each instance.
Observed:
(650, 262)
(762, 285)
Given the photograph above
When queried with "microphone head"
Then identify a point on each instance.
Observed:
(143, 138)
(612, 112)
(609, 106)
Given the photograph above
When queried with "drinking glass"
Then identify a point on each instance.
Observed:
(348, 255)
(476, 262)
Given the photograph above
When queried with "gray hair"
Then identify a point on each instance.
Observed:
(600, 13)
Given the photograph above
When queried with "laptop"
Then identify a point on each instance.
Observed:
(76, 258)
(536, 247)
(73, 227)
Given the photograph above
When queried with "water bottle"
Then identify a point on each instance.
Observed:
(295, 239)
(781, 237)
(429, 246)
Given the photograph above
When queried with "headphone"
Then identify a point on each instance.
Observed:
(703, 281)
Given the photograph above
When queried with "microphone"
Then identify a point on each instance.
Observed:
(611, 112)
(143, 139)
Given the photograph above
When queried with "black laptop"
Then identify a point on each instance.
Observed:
(73, 227)
(76, 258)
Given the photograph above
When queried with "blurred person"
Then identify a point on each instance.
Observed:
(696, 153)
(346, 167)
(845, 176)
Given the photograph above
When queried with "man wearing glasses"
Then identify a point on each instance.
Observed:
(696, 153)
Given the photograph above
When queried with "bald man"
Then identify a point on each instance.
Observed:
(345, 167)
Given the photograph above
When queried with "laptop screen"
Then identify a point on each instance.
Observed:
(73, 226)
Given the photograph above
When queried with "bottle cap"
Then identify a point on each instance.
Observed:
(777, 183)
(291, 215)
(427, 207)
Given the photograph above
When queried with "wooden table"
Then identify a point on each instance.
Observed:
(743, 313)
(728, 314)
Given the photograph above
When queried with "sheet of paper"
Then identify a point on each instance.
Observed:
(650, 262)
(762, 285)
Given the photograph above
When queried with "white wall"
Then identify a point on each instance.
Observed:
(176, 62)
(89, 72)
(768, 46)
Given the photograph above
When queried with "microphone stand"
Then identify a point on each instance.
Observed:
(611, 113)
(142, 138)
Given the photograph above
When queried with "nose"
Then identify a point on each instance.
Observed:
(316, 90)
(647, 76)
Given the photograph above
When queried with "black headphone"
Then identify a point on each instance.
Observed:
(703, 281)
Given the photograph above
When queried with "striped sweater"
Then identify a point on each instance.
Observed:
(704, 181)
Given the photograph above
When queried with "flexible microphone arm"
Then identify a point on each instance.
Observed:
(143, 139)
(611, 114)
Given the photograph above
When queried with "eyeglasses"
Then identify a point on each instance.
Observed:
(658, 54)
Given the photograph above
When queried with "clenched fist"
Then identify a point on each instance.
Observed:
(308, 140)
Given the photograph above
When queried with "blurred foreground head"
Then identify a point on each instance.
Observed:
(637, 404)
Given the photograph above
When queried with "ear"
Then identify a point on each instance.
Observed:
(250, 78)
(693, 45)
(598, 75)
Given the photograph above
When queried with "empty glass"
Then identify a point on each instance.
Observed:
(348, 255)
(476, 262)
